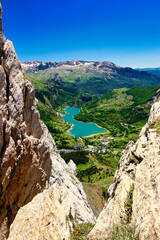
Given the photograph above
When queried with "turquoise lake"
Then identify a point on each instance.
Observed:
(80, 129)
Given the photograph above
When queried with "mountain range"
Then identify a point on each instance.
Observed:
(94, 78)
(154, 71)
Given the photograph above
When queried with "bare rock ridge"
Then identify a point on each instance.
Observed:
(137, 178)
(30, 166)
(37, 65)
(25, 165)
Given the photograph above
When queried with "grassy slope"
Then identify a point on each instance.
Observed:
(48, 101)
(142, 95)
(119, 107)
(57, 93)
(94, 168)
(113, 111)
(98, 82)
(153, 71)
(95, 197)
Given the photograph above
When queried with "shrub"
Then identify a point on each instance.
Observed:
(81, 231)
(123, 232)
(128, 206)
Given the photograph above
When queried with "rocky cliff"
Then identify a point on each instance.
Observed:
(134, 197)
(32, 174)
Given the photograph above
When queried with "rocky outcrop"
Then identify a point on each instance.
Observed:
(146, 196)
(52, 213)
(138, 177)
(29, 164)
(25, 164)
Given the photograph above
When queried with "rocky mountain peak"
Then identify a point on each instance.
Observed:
(2, 38)
(36, 65)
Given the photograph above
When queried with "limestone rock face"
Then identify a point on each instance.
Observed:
(146, 202)
(52, 213)
(29, 164)
(25, 163)
(114, 210)
(139, 167)
(73, 167)
(48, 216)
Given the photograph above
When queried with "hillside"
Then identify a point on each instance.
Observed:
(94, 78)
(89, 165)
(153, 71)
(52, 99)
(122, 111)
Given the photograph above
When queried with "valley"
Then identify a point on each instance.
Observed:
(79, 140)
(122, 111)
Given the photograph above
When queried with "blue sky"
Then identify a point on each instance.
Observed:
(121, 31)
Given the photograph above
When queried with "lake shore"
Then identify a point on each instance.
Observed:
(83, 131)
(72, 125)
(95, 134)
(92, 135)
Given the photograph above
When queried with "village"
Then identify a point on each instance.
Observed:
(102, 148)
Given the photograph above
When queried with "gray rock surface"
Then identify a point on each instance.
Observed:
(52, 213)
